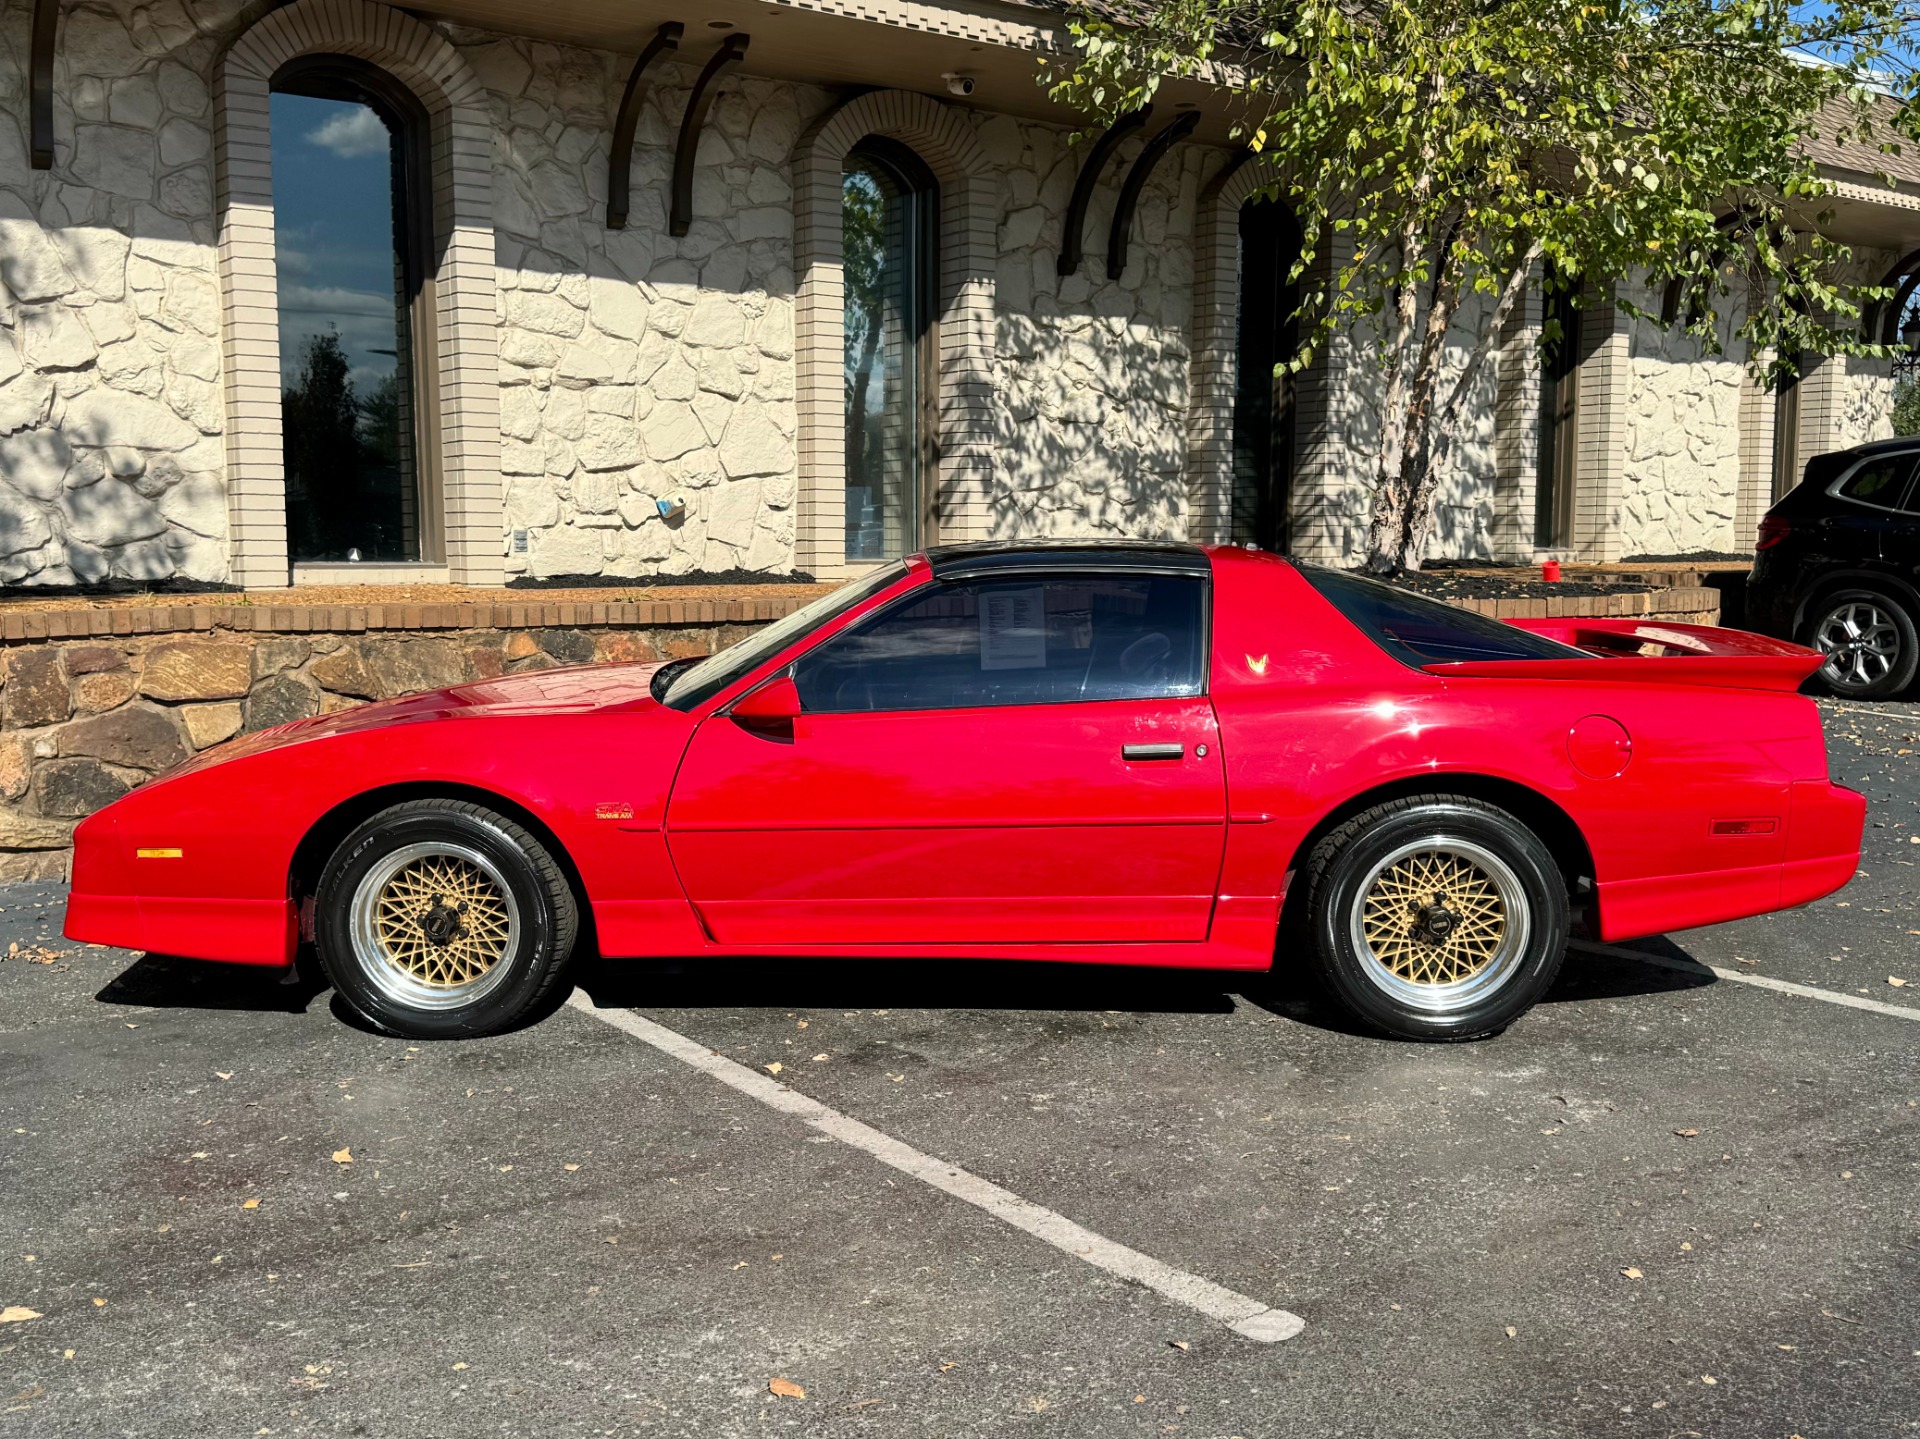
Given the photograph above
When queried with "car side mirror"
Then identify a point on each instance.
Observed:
(775, 701)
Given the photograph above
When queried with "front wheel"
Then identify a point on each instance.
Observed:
(1869, 641)
(439, 919)
(1436, 917)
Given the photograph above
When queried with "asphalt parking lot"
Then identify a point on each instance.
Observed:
(1665, 1203)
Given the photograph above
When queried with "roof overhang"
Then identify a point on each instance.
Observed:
(885, 44)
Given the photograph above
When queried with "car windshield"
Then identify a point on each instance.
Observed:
(685, 683)
(1419, 632)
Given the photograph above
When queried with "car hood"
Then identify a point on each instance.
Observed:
(583, 689)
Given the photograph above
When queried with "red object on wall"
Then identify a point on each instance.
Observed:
(1023, 831)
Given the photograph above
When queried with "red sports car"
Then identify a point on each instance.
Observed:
(1122, 753)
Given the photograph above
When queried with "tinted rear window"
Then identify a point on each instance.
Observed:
(1419, 632)
(1879, 481)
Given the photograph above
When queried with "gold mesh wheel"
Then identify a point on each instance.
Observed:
(1440, 923)
(443, 921)
(1434, 918)
(435, 925)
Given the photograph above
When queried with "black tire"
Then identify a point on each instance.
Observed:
(1869, 638)
(1511, 920)
(434, 889)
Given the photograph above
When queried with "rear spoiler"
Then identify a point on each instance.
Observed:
(1652, 653)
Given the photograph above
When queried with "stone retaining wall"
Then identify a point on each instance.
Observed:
(95, 701)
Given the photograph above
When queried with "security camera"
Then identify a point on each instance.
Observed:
(961, 85)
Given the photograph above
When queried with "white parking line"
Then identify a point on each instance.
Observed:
(1247, 1317)
(1758, 981)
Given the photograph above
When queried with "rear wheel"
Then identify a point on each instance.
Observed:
(440, 919)
(1436, 917)
(1869, 641)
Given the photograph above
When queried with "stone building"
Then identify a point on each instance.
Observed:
(330, 290)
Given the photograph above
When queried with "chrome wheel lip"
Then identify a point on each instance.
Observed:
(1861, 643)
(387, 977)
(1447, 999)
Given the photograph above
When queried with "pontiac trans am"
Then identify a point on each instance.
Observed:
(1123, 753)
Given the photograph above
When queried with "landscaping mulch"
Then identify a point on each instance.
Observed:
(1451, 584)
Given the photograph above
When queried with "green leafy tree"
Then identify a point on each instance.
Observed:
(320, 424)
(1906, 405)
(1461, 148)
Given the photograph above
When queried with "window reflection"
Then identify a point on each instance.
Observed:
(344, 223)
(887, 209)
(1022, 641)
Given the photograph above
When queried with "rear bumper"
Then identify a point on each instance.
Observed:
(235, 931)
(1824, 825)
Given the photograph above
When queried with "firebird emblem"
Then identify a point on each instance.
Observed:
(1257, 665)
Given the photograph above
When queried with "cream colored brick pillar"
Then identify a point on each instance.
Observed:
(1601, 437)
(1516, 426)
(1331, 494)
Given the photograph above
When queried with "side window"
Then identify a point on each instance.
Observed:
(1016, 641)
(1879, 481)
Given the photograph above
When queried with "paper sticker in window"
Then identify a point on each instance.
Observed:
(1013, 629)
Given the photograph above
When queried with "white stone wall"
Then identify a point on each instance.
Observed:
(1333, 529)
(1090, 374)
(636, 366)
(1680, 482)
(110, 407)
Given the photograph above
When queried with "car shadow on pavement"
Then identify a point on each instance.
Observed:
(163, 981)
(900, 984)
(1288, 990)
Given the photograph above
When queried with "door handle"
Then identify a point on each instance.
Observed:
(1152, 751)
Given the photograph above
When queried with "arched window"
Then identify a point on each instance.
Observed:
(1786, 429)
(353, 201)
(890, 206)
(1267, 336)
(1559, 414)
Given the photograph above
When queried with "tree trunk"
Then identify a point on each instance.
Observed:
(1389, 466)
(1416, 445)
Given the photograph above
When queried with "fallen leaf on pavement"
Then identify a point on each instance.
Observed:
(223, 1074)
(773, 1068)
(1896, 983)
(250, 1204)
(1179, 1344)
(1633, 1273)
(17, 1314)
(1512, 1333)
(821, 1058)
(1688, 1133)
(343, 1156)
(1708, 1379)
(570, 1168)
(786, 1389)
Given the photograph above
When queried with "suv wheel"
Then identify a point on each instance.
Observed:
(1869, 641)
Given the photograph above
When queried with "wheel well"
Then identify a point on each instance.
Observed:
(1891, 586)
(1552, 824)
(318, 844)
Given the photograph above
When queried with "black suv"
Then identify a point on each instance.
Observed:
(1837, 566)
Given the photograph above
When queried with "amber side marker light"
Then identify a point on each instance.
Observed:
(158, 853)
(1745, 826)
